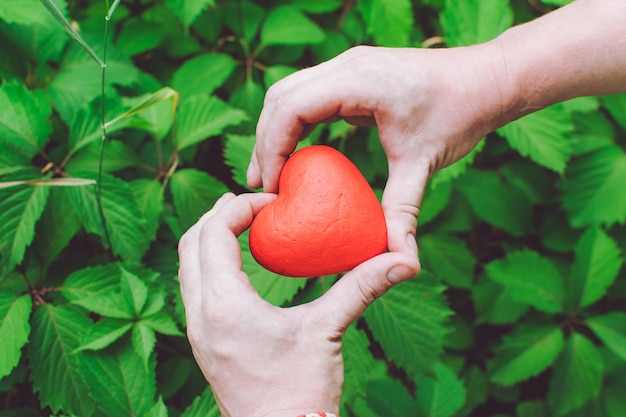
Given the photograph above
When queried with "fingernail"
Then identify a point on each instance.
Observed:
(400, 273)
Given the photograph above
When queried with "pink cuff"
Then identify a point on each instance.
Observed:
(318, 414)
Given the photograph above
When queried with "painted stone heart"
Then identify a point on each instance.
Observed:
(326, 219)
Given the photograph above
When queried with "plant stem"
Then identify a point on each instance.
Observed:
(104, 133)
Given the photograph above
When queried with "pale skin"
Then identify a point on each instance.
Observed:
(431, 107)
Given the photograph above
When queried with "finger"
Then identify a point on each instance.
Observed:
(189, 272)
(328, 97)
(219, 251)
(358, 289)
(401, 199)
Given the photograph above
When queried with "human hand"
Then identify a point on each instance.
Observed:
(259, 359)
(431, 107)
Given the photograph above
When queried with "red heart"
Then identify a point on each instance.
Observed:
(325, 220)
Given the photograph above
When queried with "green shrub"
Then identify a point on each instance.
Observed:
(519, 310)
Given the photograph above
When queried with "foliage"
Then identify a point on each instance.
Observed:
(518, 312)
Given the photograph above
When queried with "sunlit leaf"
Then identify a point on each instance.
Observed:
(123, 218)
(119, 382)
(531, 278)
(202, 74)
(544, 136)
(188, 10)
(20, 209)
(204, 405)
(593, 188)
(390, 22)
(577, 376)
(409, 321)
(15, 312)
(448, 257)
(597, 263)
(104, 333)
(23, 119)
(286, 25)
(469, 22)
(611, 329)
(237, 154)
(55, 373)
(526, 352)
(203, 116)
(440, 396)
(495, 201)
(194, 194)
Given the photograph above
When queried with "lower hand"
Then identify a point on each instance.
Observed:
(260, 359)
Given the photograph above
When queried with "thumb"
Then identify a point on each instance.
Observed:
(348, 298)
(401, 199)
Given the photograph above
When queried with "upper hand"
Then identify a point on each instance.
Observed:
(431, 108)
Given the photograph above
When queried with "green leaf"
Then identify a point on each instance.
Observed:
(276, 73)
(616, 105)
(55, 371)
(20, 209)
(162, 323)
(15, 311)
(440, 396)
(104, 333)
(476, 387)
(248, 97)
(436, 198)
(60, 17)
(286, 25)
(597, 263)
(144, 339)
(525, 352)
(495, 201)
(544, 136)
(614, 399)
(203, 116)
(203, 406)
(243, 18)
(390, 22)
(74, 86)
(25, 12)
(202, 74)
(111, 305)
(92, 281)
(410, 323)
(57, 226)
(387, 397)
(237, 154)
(496, 304)
(273, 288)
(577, 376)
(134, 291)
(448, 257)
(457, 168)
(611, 329)
(358, 363)
(123, 219)
(24, 119)
(119, 382)
(117, 156)
(532, 409)
(469, 22)
(593, 188)
(194, 194)
(531, 278)
(188, 10)
(149, 196)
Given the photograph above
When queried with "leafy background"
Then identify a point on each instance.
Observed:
(519, 311)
